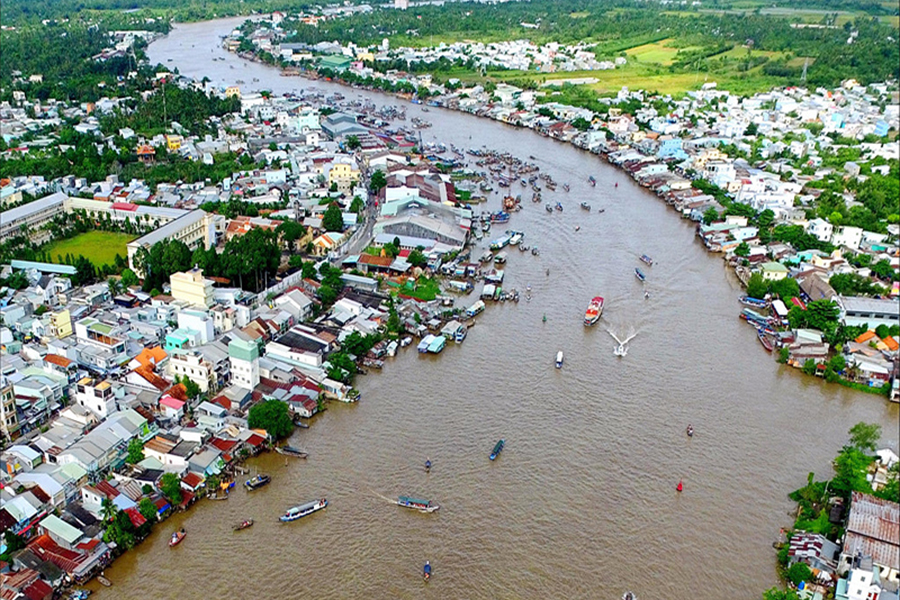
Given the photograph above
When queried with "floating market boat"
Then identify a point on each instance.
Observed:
(104, 581)
(764, 340)
(498, 448)
(559, 359)
(426, 571)
(754, 302)
(176, 538)
(585, 206)
(640, 275)
(549, 208)
(646, 260)
(566, 186)
(254, 483)
(243, 525)
(592, 181)
(420, 505)
(300, 511)
(690, 431)
(291, 451)
(629, 596)
(594, 310)
(559, 206)
(516, 238)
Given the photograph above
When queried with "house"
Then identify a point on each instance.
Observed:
(871, 531)
(773, 271)
(861, 310)
(171, 407)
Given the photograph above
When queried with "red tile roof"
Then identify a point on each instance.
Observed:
(255, 440)
(152, 378)
(223, 445)
(192, 480)
(44, 547)
(106, 489)
(137, 519)
(56, 359)
(39, 590)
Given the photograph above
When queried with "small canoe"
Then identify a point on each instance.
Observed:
(291, 451)
(498, 448)
(104, 581)
(244, 525)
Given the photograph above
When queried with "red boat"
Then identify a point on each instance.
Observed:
(593, 312)
(766, 343)
(176, 538)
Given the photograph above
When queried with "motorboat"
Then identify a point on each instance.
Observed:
(254, 483)
(301, 510)
(548, 208)
(646, 260)
(594, 310)
(621, 351)
(629, 596)
(425, 506)
(176, 538)
(585, 206)
(680, 485)
(498, 448)
(427, 465)
(426, 571)
(592, 180)
(291, 451)
(559, 359)
(559, 206)
(690, 431)
(640, 275)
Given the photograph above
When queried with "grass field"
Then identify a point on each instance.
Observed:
(659, 52)
(100, 247)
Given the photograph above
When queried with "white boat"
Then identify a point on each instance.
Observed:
(559, 359)
(392, 348)
(405, 342)
(426, 341)
(516, 238)
(475, 309)
(297, 512)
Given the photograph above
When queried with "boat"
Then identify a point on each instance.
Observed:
(425, 342)
(566, 186)
(754, 302)
(406, 341)
(621, 351)
(243, 525)
(536, 252)
(392, 348)
(585, 206)
(79, 594)
(640, 275)
(254, 483)
(427, 465)
(516, 238)
(475, 309)
(594, 310)
(559, 206)
(680, 485)
(549, 208)
(765, 341)
(545, 318)
(647, 260)
(300, 511)
(498, 448)
(437, 344)
(291, 451)
(592, 181)
(176, 538)
(559, 359)
(629, 596)
(690, 431)
(425, 506)
(104, 581)
(426, 570)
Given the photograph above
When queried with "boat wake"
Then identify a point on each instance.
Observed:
(622, 349)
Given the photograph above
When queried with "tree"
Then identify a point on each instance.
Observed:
(883, 331)
(776, 594)
(148, 510)
(799, 572)
(170, 486)
(129, 278)
(108, 510)
(742, 250)
(378, 181)
(191, 388)
(756, 286)
(289, 232)
(417, 259)
(357, 205)
(786, 288)
(711, 215)
(353, 142)
(865, 436)
(135, 452)
(333, 220)
(273, 416)
(114, 286)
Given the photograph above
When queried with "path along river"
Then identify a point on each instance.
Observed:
(582, 503)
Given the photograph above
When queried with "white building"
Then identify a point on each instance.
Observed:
(244, 358)
(96, 397)
(821, 229)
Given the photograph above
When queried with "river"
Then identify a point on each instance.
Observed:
(582, 502)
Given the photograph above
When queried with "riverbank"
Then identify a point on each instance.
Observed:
(720, 218)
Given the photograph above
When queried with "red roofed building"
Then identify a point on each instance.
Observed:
(146, 154)
(137, 519)
(39, 590)
(223, 445)
(191, 481)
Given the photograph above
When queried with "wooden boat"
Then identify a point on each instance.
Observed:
(690, 431)
(425, 506)
(566, 186)
(301, 510)
(559, 206)
(291, 451)
(549, 208)
(498, 448)
(104, 581)
(754, 302)
(177, 537)
(244, 525)
(640, 275)
(592, 181)
(586, 206)
(764, 340)
(254, 483)
(426, 571)
(629, 596)
(646, 260)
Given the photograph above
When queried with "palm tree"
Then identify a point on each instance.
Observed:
(108, 510)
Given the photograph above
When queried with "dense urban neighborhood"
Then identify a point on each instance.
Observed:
(189, 271)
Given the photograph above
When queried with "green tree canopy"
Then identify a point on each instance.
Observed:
(865, 436)
(170, 486)
(333, 220)
(135, 452)
(273, 416)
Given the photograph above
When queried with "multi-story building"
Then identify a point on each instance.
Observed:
(9, 422)
(244, 357)
(96, 397)
(195, 229)
(196, 368)
(30, 218)
(99, 346)
(192, 287)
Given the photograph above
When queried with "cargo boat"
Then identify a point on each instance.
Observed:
(254, 483)
(415, 504)
(298, 512)
(498, 448)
